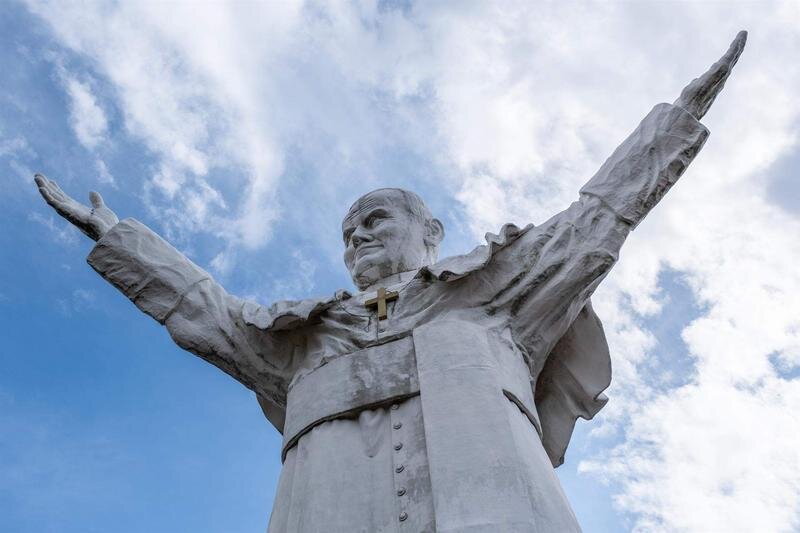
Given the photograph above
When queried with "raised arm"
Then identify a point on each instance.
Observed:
(565, 258)
(199, 314)
(650, 161)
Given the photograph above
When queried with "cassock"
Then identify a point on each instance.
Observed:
(451, 413)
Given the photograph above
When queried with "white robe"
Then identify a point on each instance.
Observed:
(462, 453)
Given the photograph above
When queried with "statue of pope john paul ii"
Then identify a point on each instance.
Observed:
(440, 395)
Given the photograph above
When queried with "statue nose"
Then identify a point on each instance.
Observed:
(359, 236)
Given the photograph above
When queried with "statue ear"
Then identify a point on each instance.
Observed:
(434, 232)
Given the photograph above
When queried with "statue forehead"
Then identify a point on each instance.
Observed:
(377, 198)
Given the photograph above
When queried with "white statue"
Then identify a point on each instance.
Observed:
(441, 395)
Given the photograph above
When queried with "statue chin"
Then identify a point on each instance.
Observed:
(370, 273)
(367, 275)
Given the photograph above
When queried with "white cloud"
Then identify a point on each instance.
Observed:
(300, 284)
(13, 146)
(222, 263)
(17, 149)
(88, 120)
(104, 175)
(195, 101)
(79, 301)
(521, 102)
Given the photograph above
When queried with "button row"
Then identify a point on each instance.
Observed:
(403, 516)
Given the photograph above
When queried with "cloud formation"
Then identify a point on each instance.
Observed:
(512, 107)
(88, 120)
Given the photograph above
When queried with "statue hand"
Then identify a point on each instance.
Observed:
(698, 96)
(94, 221)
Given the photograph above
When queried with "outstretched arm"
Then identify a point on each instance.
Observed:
(199, 314)
(569, 255)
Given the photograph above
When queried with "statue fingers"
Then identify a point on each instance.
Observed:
(735, 49)
(52, 187)
(96, 200)
(698, 96)
(45, 187)
(57, 192)
(48, 196)
(719, 72)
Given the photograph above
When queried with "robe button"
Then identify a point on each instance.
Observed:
(401, 491)
(398, 425)
(399, 469)
(398, 446)
(395, 407)
(403, 516)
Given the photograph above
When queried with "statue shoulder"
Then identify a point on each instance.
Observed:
(288, 314)
(457, 266)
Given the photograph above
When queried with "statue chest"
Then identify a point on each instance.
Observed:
(353, 324)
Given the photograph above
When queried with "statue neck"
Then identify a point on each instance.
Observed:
(391, 280)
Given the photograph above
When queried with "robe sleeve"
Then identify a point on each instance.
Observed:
(554, 268)
(199, 314)
(545, 275)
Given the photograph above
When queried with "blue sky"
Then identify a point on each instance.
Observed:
(241, 133)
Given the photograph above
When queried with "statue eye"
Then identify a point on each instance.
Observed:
(373, 219)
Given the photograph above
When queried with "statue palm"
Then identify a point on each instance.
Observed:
(94, 221)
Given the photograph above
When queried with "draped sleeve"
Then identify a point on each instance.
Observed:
(543, 276)
(200, 316)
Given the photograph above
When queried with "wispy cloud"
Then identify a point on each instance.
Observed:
(512, 107)
(104, 175)
(58, 230)
(87, 118)
(17, 150)
(80, 300)
(12, 146)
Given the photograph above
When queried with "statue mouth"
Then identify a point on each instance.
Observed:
(366, 249)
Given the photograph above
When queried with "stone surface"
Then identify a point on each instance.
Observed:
(451, 413)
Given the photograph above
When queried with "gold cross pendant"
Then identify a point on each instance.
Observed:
(380, 301)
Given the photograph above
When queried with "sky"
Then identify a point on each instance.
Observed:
(242, 133)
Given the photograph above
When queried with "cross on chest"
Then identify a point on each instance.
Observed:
(380, 300)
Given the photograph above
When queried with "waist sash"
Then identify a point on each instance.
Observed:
(348, 384)
(387, 373)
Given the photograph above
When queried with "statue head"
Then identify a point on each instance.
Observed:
(388, 231)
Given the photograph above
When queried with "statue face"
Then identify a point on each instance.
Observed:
(382, 237)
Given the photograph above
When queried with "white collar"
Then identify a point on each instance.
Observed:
(400, 278)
